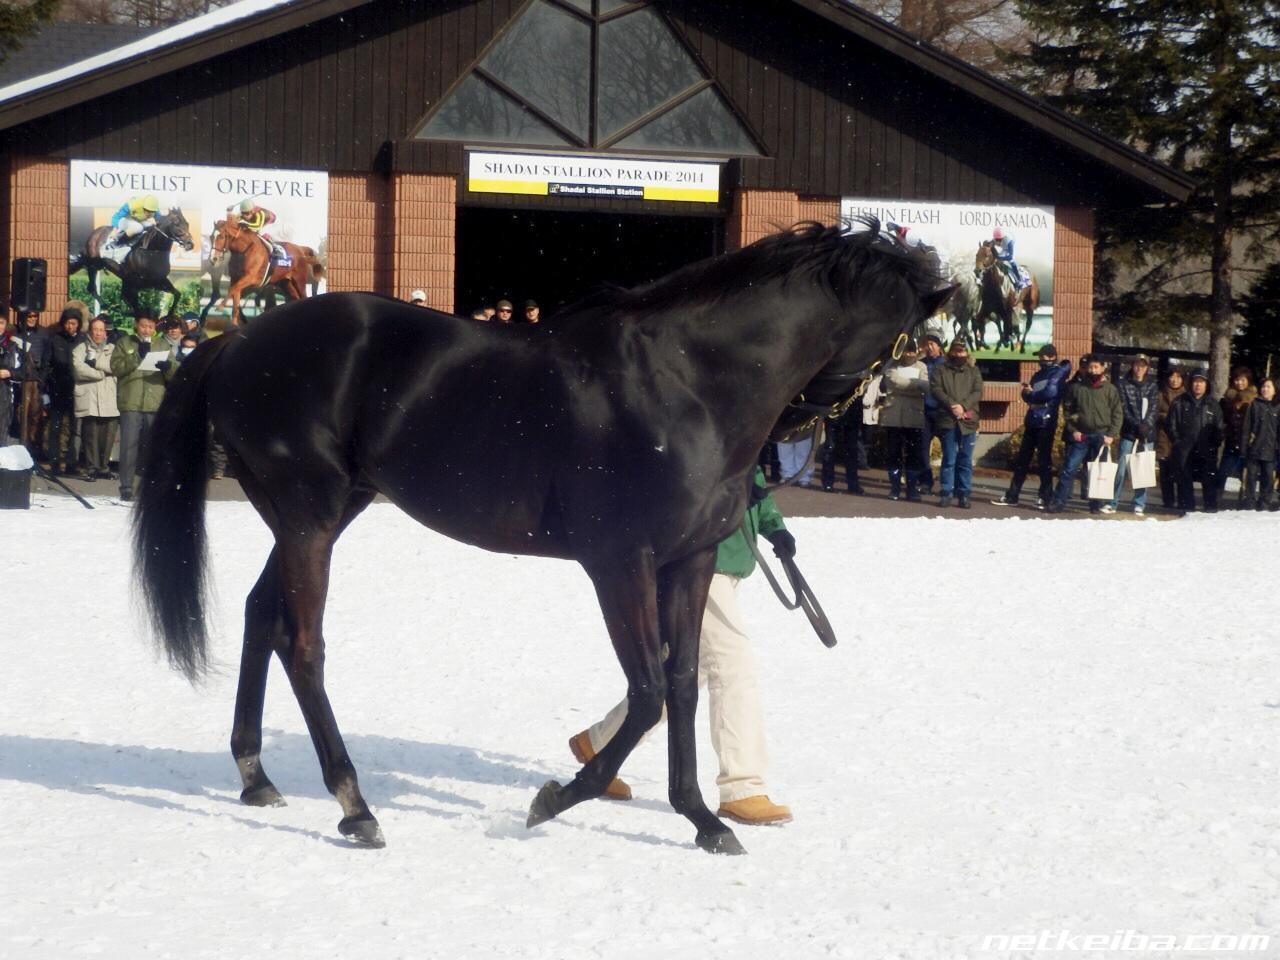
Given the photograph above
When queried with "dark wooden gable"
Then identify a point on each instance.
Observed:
(837, 115)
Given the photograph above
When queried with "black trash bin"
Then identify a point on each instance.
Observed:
(15, 478)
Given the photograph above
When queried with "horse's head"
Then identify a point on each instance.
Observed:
(985, 257)
(218, 241)
(879, 290)
(174, 226)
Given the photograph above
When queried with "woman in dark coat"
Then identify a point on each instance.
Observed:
(1260, 446)
(61, 386)
(1174, 387)
(10, 378)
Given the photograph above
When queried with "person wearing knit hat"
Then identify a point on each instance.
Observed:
(1194, 425)
(1043, 397)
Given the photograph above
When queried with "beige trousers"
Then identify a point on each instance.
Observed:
(727, 668)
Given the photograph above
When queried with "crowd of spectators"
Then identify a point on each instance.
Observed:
(74, 391)
(927, 394)
(70, 392)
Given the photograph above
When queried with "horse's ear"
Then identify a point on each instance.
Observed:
(933, 302)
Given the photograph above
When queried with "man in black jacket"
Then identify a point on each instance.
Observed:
(1139, 394)
(1195, 427)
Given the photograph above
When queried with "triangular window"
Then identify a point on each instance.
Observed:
(590, 73)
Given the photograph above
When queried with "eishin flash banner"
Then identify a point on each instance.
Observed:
(298, 200)
(958, 232)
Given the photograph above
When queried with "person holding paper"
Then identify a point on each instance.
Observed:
(141, 383)
(1139, 395)
(1093, 415)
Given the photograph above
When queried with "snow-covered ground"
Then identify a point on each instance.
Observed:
(1030, 728)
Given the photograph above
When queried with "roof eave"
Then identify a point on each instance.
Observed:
(185, 53)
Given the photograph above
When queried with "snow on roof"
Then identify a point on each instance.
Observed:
(145, 47)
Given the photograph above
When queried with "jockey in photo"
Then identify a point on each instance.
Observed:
(1003, 245)
(255, 217)
(134, 216)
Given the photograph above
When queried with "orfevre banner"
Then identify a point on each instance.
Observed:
(278, 205)
(1002, 257)
(613, 178)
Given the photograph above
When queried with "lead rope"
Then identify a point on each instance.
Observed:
(805, 599)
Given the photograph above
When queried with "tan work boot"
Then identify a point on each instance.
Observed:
(580, 744)
(755, 811)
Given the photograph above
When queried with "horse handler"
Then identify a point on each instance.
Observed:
(727, 668)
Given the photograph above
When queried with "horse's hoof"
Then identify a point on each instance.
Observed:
(543, 807)
(725, 843)
(363, 830)
(265, 796)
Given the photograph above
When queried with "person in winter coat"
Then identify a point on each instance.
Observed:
(1174, 387)
(139, 394)
(97, 409)
(60, 385)
(10, 382)
(1043, 396)
(905, 384)
(727, 667)
(1139, 396)
(1195, 427)
(1261, 446)
(957, 386)
(843, 444)
(32, 342)
(1235, 404)
(1092, 416)
(931, 359)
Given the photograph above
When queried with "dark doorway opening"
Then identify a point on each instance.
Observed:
(555, 257)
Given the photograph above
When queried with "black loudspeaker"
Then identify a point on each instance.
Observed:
(29, 274)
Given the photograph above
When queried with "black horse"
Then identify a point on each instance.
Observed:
(623, 437)
(145, 267)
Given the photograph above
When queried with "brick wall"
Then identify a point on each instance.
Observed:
(37, 223)
(358, 208)
(423, 253)
(758, 213)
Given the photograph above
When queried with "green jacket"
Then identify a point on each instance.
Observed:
(1090, 409)
(734, 556)
(963, 386)
(139, 391)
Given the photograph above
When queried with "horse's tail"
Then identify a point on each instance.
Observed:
(169, 548)
(313, 261)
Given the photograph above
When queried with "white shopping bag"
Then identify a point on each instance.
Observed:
(1142, 467)
(1102, 476)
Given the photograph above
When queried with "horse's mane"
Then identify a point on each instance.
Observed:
(835, 258)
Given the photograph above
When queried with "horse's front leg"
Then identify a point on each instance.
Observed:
(167, 286)
(682, 600)
(234, 293)
(627, 590)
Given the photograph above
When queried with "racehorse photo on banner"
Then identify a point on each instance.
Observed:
(1000, 256)
(177, 238)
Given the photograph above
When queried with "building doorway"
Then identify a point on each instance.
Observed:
(555, 257)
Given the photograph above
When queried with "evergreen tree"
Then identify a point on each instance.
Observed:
(1258, 344)
(1195, 83)
(19, 19)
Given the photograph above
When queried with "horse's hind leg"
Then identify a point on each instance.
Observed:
(264, 631)
(682, 598)
(628, 599)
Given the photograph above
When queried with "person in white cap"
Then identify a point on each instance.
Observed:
(418, 298)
